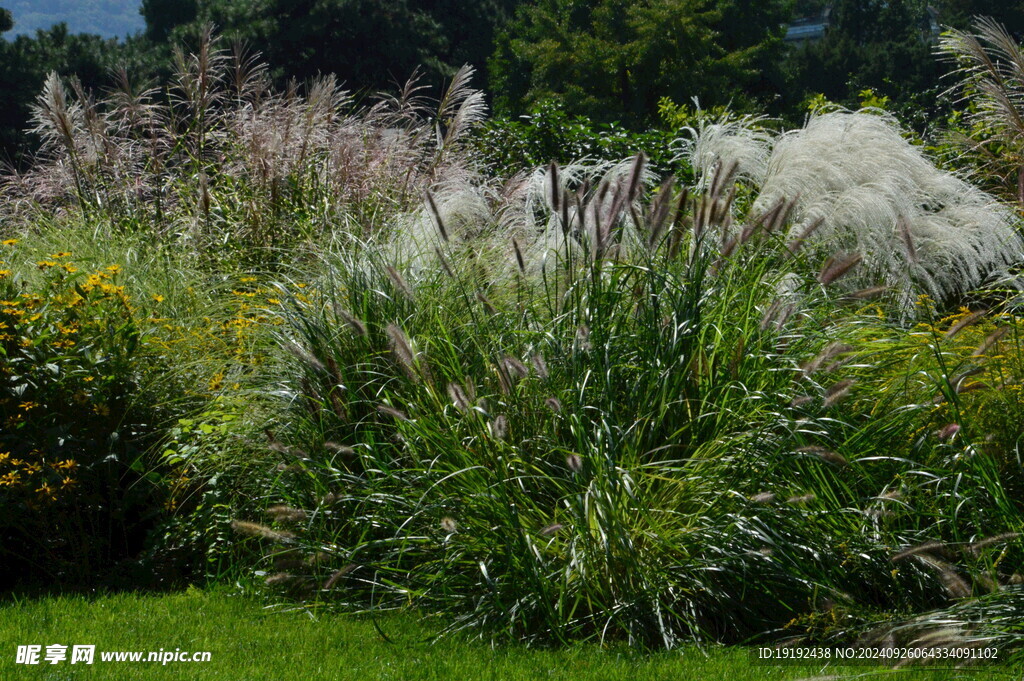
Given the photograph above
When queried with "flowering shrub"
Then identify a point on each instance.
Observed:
(74, 417)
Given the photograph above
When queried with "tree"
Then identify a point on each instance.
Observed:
(961, 13)
(162, 16)
(615, 59)
(883, 45)
(24, 65)
(6, 20)
(368, 44)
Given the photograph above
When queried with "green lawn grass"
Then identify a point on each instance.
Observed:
(250, 642)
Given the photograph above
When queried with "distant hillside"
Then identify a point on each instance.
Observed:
(108, 18)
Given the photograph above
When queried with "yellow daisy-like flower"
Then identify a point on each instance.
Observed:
(67, 483)
(44, 264)
(47, 492)
(247, 279)
(66, 464)
(217, 382)
(62, 254)
(9, 242)
(10, 480)
(158, 298)
(113, 269)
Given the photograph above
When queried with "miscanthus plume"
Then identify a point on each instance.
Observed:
(917, 228)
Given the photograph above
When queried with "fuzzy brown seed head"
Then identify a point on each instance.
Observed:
(838, 391)
(551, 529)
(520, 261)
(399, 281)
(357, 326)
(824, 454)
(947, 432)
(540, 365)
(392, 412)
(256, 530)
(837, 266)
(488, 305)
(498, 427)
(402, 349)
(458, 396)
(436, 215)
(333, 580)
(283, 513)
(964, 322)
(515, 367)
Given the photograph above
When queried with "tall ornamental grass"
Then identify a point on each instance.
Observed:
(222, 165)
(656, 448)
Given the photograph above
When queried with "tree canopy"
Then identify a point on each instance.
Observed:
(614, 59)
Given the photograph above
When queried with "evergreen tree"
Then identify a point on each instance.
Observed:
(615, 59)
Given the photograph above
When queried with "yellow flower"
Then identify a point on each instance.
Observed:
(67, 483)
(247, 279)
(9, 242)
(158, 298)
(27, 406)
(44, 264)
(10, 480)
(217, 381)
(4, 456)
(62, 254)
(47, 491)
(69, 268)
(67, 464)
(5, 273)
(114, 269)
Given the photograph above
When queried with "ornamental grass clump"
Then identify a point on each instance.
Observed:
(225, 166)
(610, 446)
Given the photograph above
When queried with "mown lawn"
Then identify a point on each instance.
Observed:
(250, 642)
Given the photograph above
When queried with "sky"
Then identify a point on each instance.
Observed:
(108, 18)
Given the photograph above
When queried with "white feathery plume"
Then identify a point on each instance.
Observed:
(857, 174)
(728, 141)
